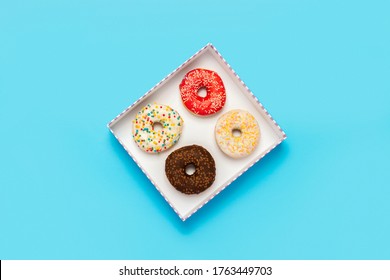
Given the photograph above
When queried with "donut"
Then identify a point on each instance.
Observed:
(247, 128)
(201, 179)
(215, 97)
(152, 140)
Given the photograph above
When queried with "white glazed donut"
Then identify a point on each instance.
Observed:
(237, 146)
(155, 141)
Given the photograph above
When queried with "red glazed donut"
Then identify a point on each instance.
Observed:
(202, 78)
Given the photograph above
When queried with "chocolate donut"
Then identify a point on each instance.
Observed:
(177, 162)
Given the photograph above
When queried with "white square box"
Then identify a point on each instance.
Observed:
(197, 130)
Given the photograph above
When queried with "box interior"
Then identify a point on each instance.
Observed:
(197, 130)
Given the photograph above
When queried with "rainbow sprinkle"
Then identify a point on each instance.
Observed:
(150, 139)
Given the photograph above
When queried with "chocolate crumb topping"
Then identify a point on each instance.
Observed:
(201, 179)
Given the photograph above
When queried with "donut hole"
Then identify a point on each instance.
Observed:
(157, 126)
(202, 92)
(236, 132)
(190, 169)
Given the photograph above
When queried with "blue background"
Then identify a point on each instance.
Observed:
(69, 191)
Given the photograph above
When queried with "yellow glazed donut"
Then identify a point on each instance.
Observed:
(245, 125)
(147, 137)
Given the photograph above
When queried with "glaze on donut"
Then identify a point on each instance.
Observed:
(237, 146)
(201, 179)
(155, 141)
(215, 98)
